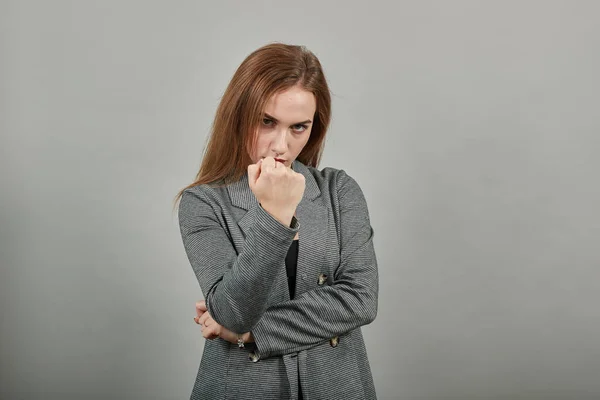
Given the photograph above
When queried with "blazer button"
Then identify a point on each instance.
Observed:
(334, 341)
(252, 356)
(322, 279)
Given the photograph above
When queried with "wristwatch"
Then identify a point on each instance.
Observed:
(240, 341)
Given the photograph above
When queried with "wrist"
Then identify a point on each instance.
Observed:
(240, 340)
(284, 216)
(244, 338)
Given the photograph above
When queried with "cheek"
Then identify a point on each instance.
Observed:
(303, 142)
(261, 146)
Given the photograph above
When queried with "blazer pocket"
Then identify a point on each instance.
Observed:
(252, 378)
(335, 366)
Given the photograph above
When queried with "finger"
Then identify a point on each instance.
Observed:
(209, 333)
(204, 317)
(253, 173)
(213, 325)
(200, 308)
(216, 329)
(268, 164)
(205, 333)
(259, 164)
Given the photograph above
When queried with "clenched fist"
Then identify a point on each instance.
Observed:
(277, 188)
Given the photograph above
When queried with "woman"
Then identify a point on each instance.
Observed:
(283, 251)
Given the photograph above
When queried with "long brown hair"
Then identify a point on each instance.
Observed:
(265, 72)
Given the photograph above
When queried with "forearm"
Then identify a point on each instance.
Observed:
(236, 286)
(318, 315)
(326, 312)
(239, 299)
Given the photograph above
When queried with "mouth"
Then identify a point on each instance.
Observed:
(280, 160)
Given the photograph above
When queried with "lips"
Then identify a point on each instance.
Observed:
(280, 160)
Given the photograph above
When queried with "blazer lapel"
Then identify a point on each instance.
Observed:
(242, 197)
(314, 221)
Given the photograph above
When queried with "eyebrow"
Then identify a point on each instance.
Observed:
(308, 121)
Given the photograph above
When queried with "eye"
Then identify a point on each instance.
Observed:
(299, 128)
(267, 122)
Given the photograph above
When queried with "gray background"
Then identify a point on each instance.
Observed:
(472, 127)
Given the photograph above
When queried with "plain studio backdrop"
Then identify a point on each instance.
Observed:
(471, 126)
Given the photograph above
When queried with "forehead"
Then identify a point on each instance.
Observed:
(292, 105)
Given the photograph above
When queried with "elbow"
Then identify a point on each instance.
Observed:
(370, 305)
(361, 303)
(242, 325)
(371, 313)
(237, 321)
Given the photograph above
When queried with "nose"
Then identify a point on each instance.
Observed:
(280, 144)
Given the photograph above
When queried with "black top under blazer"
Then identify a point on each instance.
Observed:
(237, 251)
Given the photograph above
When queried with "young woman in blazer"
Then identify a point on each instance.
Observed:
(283, 251)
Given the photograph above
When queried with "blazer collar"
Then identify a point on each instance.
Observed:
(241, 195)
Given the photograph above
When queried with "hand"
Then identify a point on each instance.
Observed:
(277, 188)
(212, 330)
(209, 327)
(200, 309)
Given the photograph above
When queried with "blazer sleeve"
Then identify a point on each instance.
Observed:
(328, 311)
(236, 287)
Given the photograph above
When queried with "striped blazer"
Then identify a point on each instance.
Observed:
(237, 251)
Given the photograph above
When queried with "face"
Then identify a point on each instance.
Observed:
(286, 125)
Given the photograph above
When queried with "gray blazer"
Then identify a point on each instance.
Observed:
(237, 251)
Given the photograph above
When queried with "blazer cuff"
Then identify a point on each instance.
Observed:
(261, 344)
(273, 225)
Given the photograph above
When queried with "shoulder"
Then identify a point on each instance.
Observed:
(204, 192)
(205, 196)
(337, 182)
